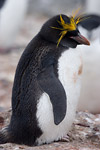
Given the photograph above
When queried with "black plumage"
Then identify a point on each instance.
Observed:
(36, 73)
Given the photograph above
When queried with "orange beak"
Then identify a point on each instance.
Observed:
(80, 39)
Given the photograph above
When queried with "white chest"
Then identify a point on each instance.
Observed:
(69, 70)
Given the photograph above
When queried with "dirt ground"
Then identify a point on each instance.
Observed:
(84, 135)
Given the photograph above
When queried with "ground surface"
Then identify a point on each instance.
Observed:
(84, 135)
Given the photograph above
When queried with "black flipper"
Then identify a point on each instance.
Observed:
(53, 87)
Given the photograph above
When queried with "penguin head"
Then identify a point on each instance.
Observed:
(62, 30)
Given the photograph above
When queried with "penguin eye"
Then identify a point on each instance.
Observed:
(71, 26)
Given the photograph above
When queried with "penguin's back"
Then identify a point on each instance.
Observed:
(69, 74)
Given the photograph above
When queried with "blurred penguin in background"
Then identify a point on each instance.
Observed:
(91, 27)
(90, 95)
(12, 13)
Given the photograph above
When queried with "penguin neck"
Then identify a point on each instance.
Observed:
(49, 53)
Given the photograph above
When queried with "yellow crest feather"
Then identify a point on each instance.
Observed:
(63, 33)
(74, 20)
